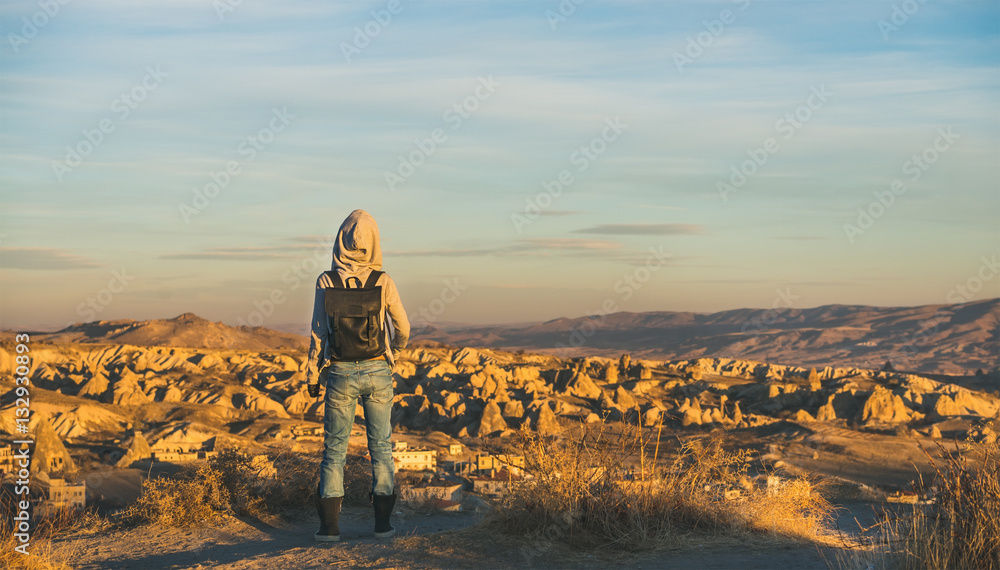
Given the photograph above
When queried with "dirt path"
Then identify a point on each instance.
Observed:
(439, 540)
(239, 544)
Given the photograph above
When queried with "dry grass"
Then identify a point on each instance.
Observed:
(960, 529)
(195, 496)
(231, 484)
(577, 494)
(260, 496)
(39, 555)
(357, 481)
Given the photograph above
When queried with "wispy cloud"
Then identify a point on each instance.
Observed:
(534, 246)
(299, 246)
(644, 229)
(568, 244)
(445, 252)
(551, 212)
(660, 207)
(799, 238)
(226, 256)
(44, 258)
(311, 240)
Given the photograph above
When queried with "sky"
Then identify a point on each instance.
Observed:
(525, 160)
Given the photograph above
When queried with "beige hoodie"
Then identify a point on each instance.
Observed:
(355, 255)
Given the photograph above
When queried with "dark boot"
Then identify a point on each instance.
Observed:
(383, 509)
(329, 519)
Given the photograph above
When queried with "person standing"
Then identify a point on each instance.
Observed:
(358, 326)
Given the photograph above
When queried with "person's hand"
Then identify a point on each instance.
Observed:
(313, 390)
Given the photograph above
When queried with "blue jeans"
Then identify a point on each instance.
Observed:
(370, 380)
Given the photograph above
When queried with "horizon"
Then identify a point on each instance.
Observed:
(289, 327)
(525, 161)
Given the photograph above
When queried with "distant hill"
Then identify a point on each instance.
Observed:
(186, 330)
(942, 339)
(953, 339)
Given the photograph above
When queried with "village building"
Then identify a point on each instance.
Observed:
(47, 453)
(436, 493)
(7, 460)
(486, 463)
(455, 449)
(62, 496)
(415, 459)
(461, 468)
(494, 485)
(183, 457)
(180, 446)
(308, 433)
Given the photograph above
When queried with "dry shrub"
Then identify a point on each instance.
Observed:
(357, 481)
(294, 487)
(231, 483)
(961, 529)
(584, 492)
(241, 481)
(796, 509)
(259, 494)
(193, 497)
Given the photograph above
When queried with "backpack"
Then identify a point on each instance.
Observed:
(354, 319)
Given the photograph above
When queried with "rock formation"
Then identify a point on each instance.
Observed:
(546, 422)
(136, 449)
(581, 386)
(50, 455)
(491, 422)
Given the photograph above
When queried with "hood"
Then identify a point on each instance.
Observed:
(357, 247)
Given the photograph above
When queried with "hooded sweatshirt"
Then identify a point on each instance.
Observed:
(356, 254)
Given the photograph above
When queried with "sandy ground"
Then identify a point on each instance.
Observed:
(238, 543)
(436, 540)
(457, 540)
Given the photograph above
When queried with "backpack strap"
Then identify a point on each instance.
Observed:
(332, 317)
(372, 279)
(337, 281)
(377, 325)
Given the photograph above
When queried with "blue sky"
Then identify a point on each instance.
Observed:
(115, 236)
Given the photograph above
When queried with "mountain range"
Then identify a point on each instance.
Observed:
(949, 339)
(943, 339)
(186, 330)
